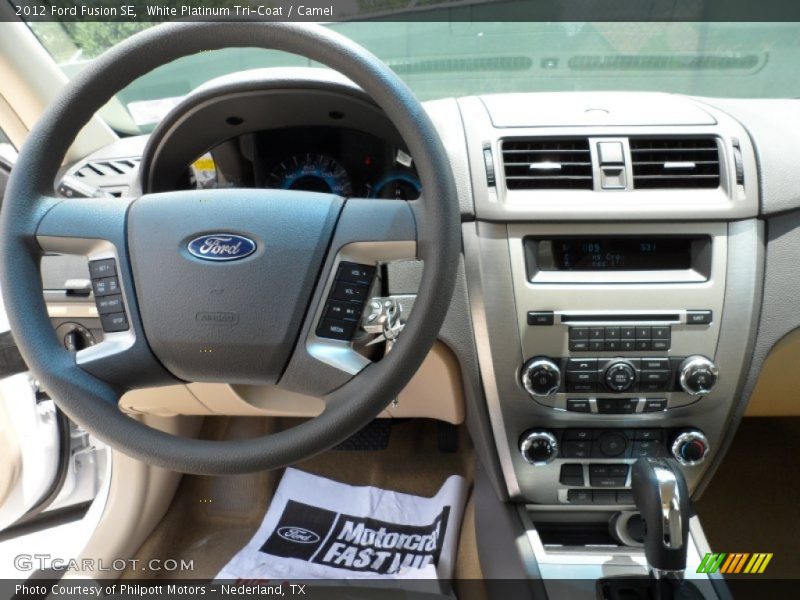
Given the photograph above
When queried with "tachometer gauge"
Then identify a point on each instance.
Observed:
(397, 186)
(312, 173)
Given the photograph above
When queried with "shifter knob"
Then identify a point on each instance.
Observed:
(662, 497)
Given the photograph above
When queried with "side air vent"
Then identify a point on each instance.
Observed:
(672, 162)
(547, 164)
(107, 168)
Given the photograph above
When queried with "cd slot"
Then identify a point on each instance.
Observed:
(621, 318)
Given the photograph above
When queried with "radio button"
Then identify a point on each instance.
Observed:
(698, 317)
(582, 364)
(578, 405)
(539, 318)
(612, 345)
(655, 404)
(579, 346)
(627, 333)
(612, 333)
(643, 344)
(596, 345)
(661, 333)
(655, 364)
(578, 333)
(597, 333)
(620, 377)
(643, 333)
(628, 405)
(608, 406)
(655, 376)
(628, 345)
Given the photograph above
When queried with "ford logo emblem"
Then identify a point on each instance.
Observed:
(221, 246)
(298, 534)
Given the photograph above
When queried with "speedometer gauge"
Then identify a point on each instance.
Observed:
(312, 173)
(397, 186)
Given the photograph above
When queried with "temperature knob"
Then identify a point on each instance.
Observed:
(539, 448)
(541, 377)
(690, 447)
(698, 375)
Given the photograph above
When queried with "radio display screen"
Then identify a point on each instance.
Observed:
(652, 253)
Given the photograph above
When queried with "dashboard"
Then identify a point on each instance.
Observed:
(324, 159)
(617, 249)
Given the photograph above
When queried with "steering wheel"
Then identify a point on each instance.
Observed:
(237, 321)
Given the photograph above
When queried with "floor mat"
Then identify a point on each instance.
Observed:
(753, 502)
(317, 528)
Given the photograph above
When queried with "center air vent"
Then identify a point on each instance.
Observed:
(547, 164)
(675, 162)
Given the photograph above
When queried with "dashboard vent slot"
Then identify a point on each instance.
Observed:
(107, 168)
(671, 162)
(547, 164)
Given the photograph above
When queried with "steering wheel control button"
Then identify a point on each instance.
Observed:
(346, 301)
(620, 377)
(355, 273)
(349, 292)
(102, 268)
(109, 304)
(541, 377)
(105, 286)
(343, 311)
(539, 448)
(698, 317)
(336, 330)
(540, 318)
(114, 322)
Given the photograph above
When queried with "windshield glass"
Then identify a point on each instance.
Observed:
(454, 58)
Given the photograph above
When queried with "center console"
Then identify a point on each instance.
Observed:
(614, 273)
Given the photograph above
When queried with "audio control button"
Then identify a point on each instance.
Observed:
(620, 377)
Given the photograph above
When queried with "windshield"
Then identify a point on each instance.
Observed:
(454, 58)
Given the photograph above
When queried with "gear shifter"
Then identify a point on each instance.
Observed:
(662, 497)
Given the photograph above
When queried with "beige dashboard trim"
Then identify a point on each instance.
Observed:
(776, 392)
(435, 392)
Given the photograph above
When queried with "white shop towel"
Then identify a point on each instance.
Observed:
(316, 528)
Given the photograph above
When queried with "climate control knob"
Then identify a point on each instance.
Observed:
(538, 448)
(541, 377)
(690, 447)
(698, 375)
(620, 377)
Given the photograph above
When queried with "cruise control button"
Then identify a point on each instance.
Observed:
(109, 304)
(355, 273)
(114, 322)
(336, 330)
(102, 268)
(105, 286)
(351, 292)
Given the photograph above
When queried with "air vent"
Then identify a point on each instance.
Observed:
(547, 164)
(675, 162)
(107, 168)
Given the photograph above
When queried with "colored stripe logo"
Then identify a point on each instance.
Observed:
(735, 562)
